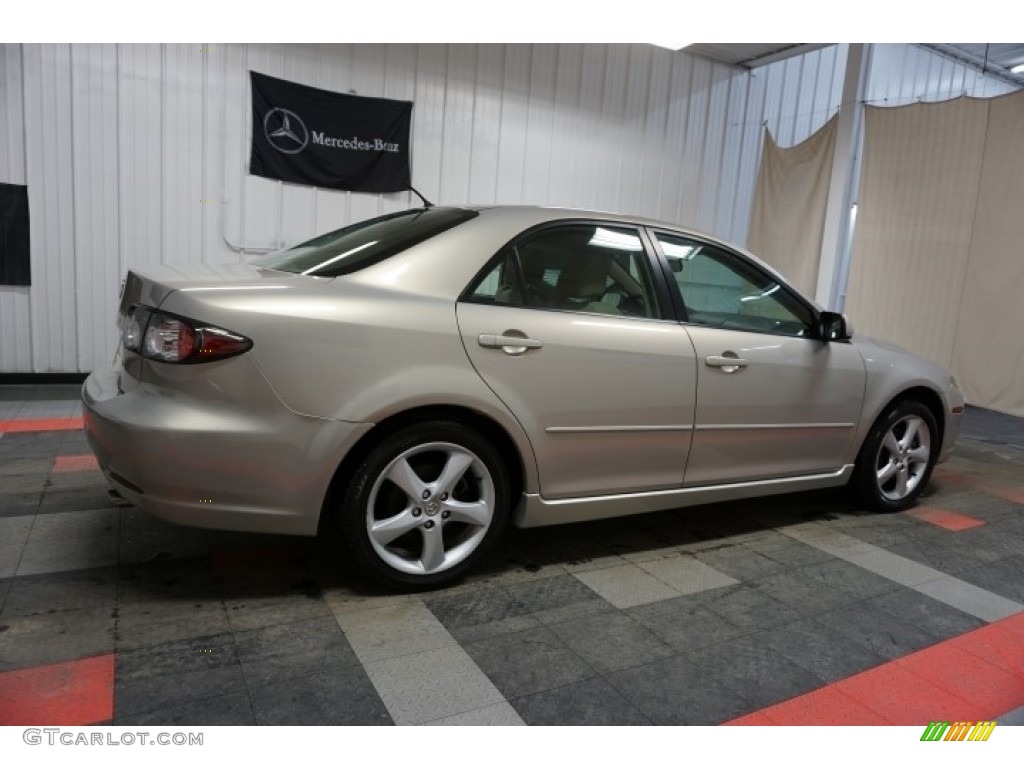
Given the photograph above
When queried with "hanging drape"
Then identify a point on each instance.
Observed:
(938, 254)
(789, 205)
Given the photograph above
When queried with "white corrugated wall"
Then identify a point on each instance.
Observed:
(137, 154)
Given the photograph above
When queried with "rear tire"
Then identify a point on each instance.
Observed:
(425, 505)
(897, 457)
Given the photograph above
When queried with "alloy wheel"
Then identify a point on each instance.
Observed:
(902, 459)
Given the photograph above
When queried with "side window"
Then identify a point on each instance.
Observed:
(499, 285)
(721, 290)
(587, 268)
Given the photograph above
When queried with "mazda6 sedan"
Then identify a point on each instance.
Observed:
(419, 381)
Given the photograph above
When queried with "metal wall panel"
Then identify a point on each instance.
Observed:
(138, 154)
(902, 74)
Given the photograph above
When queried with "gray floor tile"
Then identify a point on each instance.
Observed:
(877, 630)
(255, 611)
(336, 696)
(14, 465)
(527, 662)
(1005, 577)
(683, 623)
(393, 630)
(788, 552)
(14, 533)
(611, 641)
(588, 702)
(673, 691)
(849, 578)
(495, 714)
(474, 615)
(939, 620)
(69, 590)
(626, 585)
(28, 641)
(550, 601)
(57, 500)
(21, 485)
(823, 652)
(687, 575)
(802, 594)
(233, 709)
(175, 673)
(427, 686)
(19, 504)
(971, 599)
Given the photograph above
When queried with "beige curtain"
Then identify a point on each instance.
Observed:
(988, 352)
(789, 205)
(937, 254)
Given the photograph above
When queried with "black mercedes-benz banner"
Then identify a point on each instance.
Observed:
(326, 139)
(14, 254)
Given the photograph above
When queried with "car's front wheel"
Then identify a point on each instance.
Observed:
(425, 504)
(897, 458)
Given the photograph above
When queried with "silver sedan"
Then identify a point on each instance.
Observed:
(418, 381)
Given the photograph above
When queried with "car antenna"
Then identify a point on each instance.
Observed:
(426, 203)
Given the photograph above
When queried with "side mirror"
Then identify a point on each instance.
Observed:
(832, 326)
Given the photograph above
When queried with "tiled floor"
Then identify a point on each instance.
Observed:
(790, 609)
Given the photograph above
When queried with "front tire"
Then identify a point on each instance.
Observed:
(897, 458)
(425, 505)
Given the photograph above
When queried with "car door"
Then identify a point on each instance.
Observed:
(772, 399)
(567, 327)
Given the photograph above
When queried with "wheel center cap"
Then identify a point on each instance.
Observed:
(432, 508)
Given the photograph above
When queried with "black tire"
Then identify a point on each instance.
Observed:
(427, 448)
(891, 473)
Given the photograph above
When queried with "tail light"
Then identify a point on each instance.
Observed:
(173, 339)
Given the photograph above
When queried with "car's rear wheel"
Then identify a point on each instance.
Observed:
(425, 505)
(897, 458)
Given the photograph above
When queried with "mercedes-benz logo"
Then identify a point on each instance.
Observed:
(285, 131)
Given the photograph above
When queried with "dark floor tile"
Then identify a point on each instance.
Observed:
(335, 696)
(759, 674)
(28, 641)
(16, 392)
(68, 590)
(526, 662)
(849, 578)
(875, 629)
(31, 445)
(233, 709)
(1004, 577)
(937, 619)
(588, 702)
(172, 674)
(684, 623)
(18, 504)
(749, 609)
(611, 641)
(673, 691)
(740, 562)
(75, 443)
(477, 615)
(77, 481)
(75, 500)
(184, 579)
(787, 551)
(23, 485)
(804, 595)
(13, 465)
(298, 649)
(823, 652)
(160, 621)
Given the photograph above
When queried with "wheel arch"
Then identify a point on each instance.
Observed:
(927, 396)
(515, 462)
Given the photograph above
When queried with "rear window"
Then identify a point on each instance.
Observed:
(356, 246)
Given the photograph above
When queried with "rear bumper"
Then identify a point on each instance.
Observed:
(212, 463)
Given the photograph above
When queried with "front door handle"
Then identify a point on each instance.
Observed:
(510, 342)
(728, 362)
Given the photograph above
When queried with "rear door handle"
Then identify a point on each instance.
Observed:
(728, 363)
(509, 344)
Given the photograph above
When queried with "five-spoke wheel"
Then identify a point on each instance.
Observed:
(897, 457)
(425, 503)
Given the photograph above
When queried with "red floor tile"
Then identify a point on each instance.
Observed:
(997, 645)
(944, 518)
(1016, 495)
(40, 425)
(971, 678)
(80, 463)
(826, 706)
(976, 676)
(754, 718)
(69, 693)
(952, 477)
